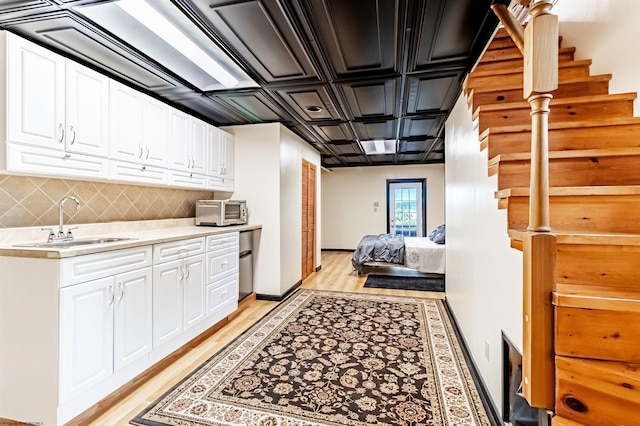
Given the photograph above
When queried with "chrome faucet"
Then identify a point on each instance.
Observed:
(61, 233)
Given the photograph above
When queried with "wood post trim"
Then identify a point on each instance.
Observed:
(538, 362)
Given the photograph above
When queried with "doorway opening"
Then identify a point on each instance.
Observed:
(407, 207)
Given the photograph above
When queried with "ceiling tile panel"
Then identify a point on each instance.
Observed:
(263, 36)
(334, 132)
(211, 110)
(414, 145)
(422, 126)
(357, 35)
(371, 98)
(312, 103)
(447, 30)
(256, 107)
(344, 148)
(11, 10)
(427, 93)
(376, 129)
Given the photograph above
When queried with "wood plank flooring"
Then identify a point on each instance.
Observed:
(336, 275)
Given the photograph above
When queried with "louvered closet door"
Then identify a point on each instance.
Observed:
(308, 217)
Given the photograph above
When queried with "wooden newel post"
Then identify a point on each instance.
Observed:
(539, 179)
(540, 79)
(539, 245)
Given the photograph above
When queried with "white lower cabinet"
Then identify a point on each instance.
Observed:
(178, 294)
(90, 324)
(178, 298)
(222, 275)
(105, 325)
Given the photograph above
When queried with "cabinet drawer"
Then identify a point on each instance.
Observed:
(177, 250)
(52, 162)
(220, 293)
(79, 269)
(215, 242)
(222, 263)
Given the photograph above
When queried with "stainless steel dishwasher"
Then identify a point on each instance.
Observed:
(245, 286)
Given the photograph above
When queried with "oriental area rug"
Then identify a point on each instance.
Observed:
(332, 358)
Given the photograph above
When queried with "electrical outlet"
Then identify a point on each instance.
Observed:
(486, 349)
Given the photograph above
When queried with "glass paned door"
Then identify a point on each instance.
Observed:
(405, 208)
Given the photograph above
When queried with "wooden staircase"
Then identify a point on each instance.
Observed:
(594, 178)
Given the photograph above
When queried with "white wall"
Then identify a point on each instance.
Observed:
(605, 31)
(268, 162)
(348, 195)
(257, 171)
(292, 151)
(483, 274)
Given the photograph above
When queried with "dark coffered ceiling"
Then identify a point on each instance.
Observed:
(335, 72)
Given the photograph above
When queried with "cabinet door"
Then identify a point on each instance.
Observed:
(167, 301)
(199, 142)
(228, 152)
(194, 291)
(36, 95)
(132, 317)
(214, 160)
(87, 113)
(86, 335)
(125, 123)
(178, 141)
(154, 132)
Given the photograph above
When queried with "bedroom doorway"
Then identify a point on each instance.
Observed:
(406, 207)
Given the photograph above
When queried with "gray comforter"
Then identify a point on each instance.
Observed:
(387, 248)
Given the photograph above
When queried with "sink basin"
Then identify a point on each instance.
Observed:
(75, 243)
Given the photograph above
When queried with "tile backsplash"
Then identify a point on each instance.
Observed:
(33, 201)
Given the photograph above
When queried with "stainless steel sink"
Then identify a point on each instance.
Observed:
(75, 243)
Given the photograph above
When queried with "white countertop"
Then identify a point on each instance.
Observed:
(140, 233)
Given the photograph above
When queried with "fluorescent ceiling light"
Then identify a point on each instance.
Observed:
(163, 28)
(379, 146)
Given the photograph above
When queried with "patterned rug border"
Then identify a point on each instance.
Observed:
(480, 416)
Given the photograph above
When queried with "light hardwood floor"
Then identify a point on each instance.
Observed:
(335, 275)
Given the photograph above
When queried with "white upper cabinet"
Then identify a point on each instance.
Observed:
(214, 163)
(58, 105)
(221, 160)
(126, 123)
(66, 120)
(35, 94)
(87, 110)
(228, 155)
(198, 146)
(178, 141)
(138, 144)
(154, 134)
(189, 140)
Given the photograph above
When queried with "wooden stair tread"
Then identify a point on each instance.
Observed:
(586, 238)
(556, 125)
(555, 102)
(470, 91)
(576, 153)
(562, 421)
(573, 190)
(514, 53)
(519, 69)
(597, 297)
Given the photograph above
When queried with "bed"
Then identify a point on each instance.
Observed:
(424, 254)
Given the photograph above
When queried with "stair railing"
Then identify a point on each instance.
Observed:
(539, 44)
